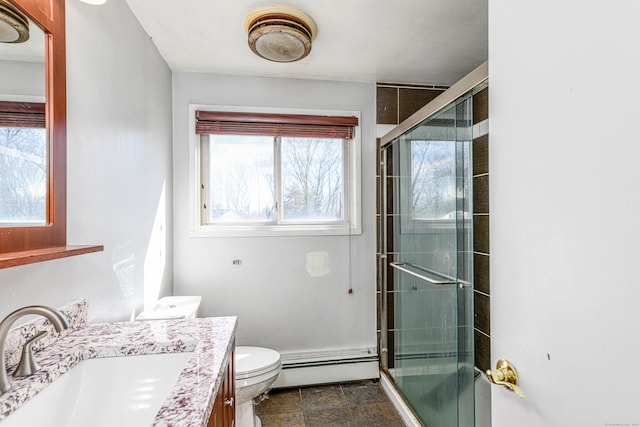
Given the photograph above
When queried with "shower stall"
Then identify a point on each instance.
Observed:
(426, 258)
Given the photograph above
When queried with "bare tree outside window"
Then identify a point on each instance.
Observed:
(312, 180)
(240, 178)
(23, 177)
(241, 174)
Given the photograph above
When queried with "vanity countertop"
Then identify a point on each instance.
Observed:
(210, 339)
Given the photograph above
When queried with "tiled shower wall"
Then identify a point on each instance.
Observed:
(482, 337)
(395, 104)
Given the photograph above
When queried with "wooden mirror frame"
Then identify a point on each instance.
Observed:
(29, 244)
(49, 15)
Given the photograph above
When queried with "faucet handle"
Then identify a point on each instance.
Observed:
(28, 364)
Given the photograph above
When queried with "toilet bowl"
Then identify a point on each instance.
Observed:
(256, 370)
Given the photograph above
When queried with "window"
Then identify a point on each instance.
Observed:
(273, 174)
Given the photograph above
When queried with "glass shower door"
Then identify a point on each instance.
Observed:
(430, 235)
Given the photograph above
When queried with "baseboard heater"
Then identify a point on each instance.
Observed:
(302, 369)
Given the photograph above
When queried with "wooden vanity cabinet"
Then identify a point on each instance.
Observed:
(224, 407)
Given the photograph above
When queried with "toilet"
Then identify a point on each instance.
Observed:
(256, 370)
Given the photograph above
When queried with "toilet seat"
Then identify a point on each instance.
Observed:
(253, 363)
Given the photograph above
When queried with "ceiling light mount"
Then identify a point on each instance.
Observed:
(280, 33)
(14, 26)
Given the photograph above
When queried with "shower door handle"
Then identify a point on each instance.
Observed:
(505, 375)
(402, 267)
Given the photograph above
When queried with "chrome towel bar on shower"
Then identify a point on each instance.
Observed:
(402, 267)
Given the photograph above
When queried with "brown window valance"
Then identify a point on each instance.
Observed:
(22, 114)
(291, 125)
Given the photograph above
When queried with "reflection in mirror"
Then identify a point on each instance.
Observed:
(23, 137)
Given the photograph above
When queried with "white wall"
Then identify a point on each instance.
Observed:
(119, 172)
(21, 79)
(279, 305)
(564, 157)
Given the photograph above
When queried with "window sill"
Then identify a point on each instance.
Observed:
(275, 231)
(14, 259)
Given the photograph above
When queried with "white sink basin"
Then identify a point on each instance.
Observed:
(114, 391)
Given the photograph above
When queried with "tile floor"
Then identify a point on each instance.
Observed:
(353, 404)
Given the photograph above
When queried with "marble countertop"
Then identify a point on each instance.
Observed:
(210, 339)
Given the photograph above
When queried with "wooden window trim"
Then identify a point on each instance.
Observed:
(25, 245)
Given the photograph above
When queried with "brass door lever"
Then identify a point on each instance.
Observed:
(505, 375)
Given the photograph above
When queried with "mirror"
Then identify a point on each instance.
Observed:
(33, 177)
(23, 137)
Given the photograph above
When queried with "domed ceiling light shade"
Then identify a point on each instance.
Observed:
(96, 2)
(14, 26)
(280, 33)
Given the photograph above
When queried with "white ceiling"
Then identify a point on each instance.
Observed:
(31, 51)
(394, 41)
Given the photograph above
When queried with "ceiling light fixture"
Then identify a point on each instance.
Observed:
(14, 26)
(280, 33)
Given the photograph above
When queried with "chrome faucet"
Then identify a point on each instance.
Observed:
(58, 320)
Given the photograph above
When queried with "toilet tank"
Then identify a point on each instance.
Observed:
(176, 307)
